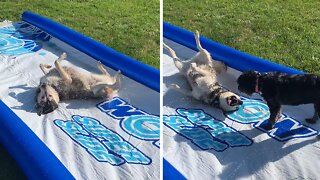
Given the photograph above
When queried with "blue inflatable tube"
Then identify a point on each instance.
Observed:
(109, 57)
(233, 58)
(31, 154)
(170, 173)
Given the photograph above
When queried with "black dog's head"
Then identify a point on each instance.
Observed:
(247, 82)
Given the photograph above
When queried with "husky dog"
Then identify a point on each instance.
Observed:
(201, 72)
(66, 83)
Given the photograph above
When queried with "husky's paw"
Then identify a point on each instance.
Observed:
(99, 63)
(45, 66)
(197, 33)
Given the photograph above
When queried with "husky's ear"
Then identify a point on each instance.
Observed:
(37, 93)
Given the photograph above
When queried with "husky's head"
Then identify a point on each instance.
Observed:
(229, 102)
(47, 99)
(107, 90)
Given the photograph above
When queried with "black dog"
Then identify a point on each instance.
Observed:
(282, 89)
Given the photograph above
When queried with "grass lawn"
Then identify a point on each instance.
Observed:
(130, 27)
(286, 32)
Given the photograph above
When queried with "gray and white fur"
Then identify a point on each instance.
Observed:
(66, 83)
(201, 72)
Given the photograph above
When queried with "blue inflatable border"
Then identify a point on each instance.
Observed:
(169, 172)
(31, 154)
(109, 57)
(233, 58)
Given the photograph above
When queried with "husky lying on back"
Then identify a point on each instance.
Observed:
(66, 83)
(201, 72)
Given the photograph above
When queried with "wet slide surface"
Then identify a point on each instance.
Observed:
(201, 141)
(94, 139)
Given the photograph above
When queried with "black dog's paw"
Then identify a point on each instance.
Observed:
(311, 120)
(267, 125)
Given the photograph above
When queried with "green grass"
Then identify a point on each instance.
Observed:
(286, 32)
(130, 27)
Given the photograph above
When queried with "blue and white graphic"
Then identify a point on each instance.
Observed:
(101, 142)
(133, 121)
(251, 111)
(205, 131)
(257, 113)
(287, 128)
(20, 39)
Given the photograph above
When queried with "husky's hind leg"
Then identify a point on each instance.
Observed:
(116, 78)
(203, 56)
(102, 69)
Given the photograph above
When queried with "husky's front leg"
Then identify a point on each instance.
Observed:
(102, 69)
(183, 91)
(61, 71)
(45, 68)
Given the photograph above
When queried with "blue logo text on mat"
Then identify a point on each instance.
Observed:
(21, 38)
(257, 113)
(101, 142)
(133, 121)
(205, 131)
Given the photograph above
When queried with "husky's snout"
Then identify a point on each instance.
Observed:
(47, 99)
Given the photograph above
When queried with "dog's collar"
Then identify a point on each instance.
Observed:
(215, 95)
(256, 89)
(215, 102)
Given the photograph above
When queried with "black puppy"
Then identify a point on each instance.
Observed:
(282, 89)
